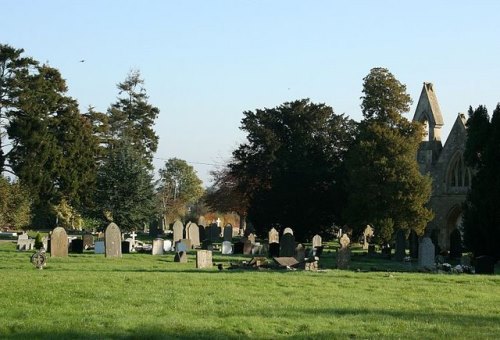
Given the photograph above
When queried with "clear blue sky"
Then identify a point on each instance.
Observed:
(205, 62)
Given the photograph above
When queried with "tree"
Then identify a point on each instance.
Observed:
(15, 205)
(384, 181)
(179, 187)
(290, 167)
(481, 218)
(126, 189)
(132, 117)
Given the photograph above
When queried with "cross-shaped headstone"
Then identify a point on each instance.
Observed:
(133, 235)
(218, 221)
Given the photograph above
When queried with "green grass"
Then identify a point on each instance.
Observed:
(144, 296)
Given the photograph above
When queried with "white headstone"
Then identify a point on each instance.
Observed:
(317, 241)
(167, 245)
(227, 248)
(193, 234)
(99, 247)
(288, 231)
(178, 231)
(157, 247)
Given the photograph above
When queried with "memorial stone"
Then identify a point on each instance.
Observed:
(251, 238)
(204, 259)
(181, 257)
(77, 246)
(113, 241)
(344, 253)
(178, 231)
(274, 236)
(88, 241)
(288, 231)
(274, 249)
(247, 247)
(317, 241)
(227, 248)
(300, 252)
(287, 245)
(99, 247)
(157, 246)
(59, 243)
(228, 232)
(167, 245)
(367, 236)
(426, 253)
(193, 234)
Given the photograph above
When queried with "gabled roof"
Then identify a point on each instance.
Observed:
(428, 107)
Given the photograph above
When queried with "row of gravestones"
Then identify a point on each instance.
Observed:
(197, 234)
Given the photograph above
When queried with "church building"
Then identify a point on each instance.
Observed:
(451, 179)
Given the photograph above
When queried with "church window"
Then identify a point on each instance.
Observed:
(459, 175)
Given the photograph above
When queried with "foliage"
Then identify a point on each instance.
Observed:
(290, 167)
(15, 206)
(132, 118)
(180, 187)
(38, 241)
(385, 228)
(126, 188)
(481, 220)
(67, 216)
(383, 177)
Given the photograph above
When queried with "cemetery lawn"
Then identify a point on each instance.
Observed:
(144, 296)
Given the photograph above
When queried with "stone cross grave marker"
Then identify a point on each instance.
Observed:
(426, 253)
(113, 241)
(287, 245)
(344, 253)
(317, 241)
(59, 243)
(274, 236)
(178, 231)
(367, 236)
(157, 246)
(228, 232)
(204, 259)
(251, 238)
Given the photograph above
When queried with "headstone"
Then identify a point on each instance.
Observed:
(286, 262)
(274, 236)
(207, 245)
(180, 257)
(413, 241)
(88, 241)
(485, 265)
(300, 252)
(157, 246)
(187, 243)
(247, 247)
(400, 253)
(288, 231)
(456, 244)
(193, 234)
(228, 232)
(77, 246)
(287, 245)
(25, 244)
(238, 247)
(113, 241)
(178, 231)
(204, 259)
(23, 236)
(371, 250)
(466, 260)
(203, 235)
(126, 247)
(367, 236)
(274, 249)
(251, 238)
(59, 243)
(227, 248)
(201, 221)
(214, 232)
(426, 253)
(167, 245)
(99, 247)
(344, 253)
(257, 249)
(154, 231)
(39, 259)
(317, 241)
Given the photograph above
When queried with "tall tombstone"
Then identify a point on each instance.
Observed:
(113, 241)
(201, 221)
(228, 232)
(367, 236)
(158, 244)
(300, 252)
(317, 241)
(413, 241)
(274, 236)
(400, 253)
(204, 259)
(344, 253)
(287, 245)
(178, 231)
(247, 247)
(59, 243)
(456, 244)
(193, 234)
(251, 238)
(274, 249)
(214, 232)
(288, 231)
(203, 235)
(426, 253)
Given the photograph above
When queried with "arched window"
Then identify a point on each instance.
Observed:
(459, 176)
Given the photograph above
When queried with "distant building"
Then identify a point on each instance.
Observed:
(451, 179)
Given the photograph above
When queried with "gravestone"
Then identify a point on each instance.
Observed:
(214, 232)
(157, 246)
(371, 250)
(201, 221)
(274, 236)
(59, 243)
(287, 245)
(181, 257)
(126, 247)
(203, 235)
(167, 245)
(288, 231)
(208, 233)
(77, 246)
(180, 246)
(228, 232)
(238, 247)
(274, 249)
(455, 244)
(227, 248)
(99, 247)
(204, 259)
(300, 252)
(317, 241)
(187, 243)
(251, 238)
(413, 241)
(193, 234)
(426, 253)
(113, 241)
(344, 253)
(400, 253)
(485, 265)
(367, 236)
(207, 245)
(154, 230)
(178, 231)
(247, 247)
(88, 241)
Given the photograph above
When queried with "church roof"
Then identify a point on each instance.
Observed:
(428, 107)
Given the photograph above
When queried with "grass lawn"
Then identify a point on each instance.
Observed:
(144, 296)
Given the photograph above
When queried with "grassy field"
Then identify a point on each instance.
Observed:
(144, 296)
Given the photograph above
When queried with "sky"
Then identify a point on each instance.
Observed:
(206, 62)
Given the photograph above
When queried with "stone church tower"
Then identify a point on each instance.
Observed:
(451, 179)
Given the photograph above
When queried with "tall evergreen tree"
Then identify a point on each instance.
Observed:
(481, 221)
(384, 183)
